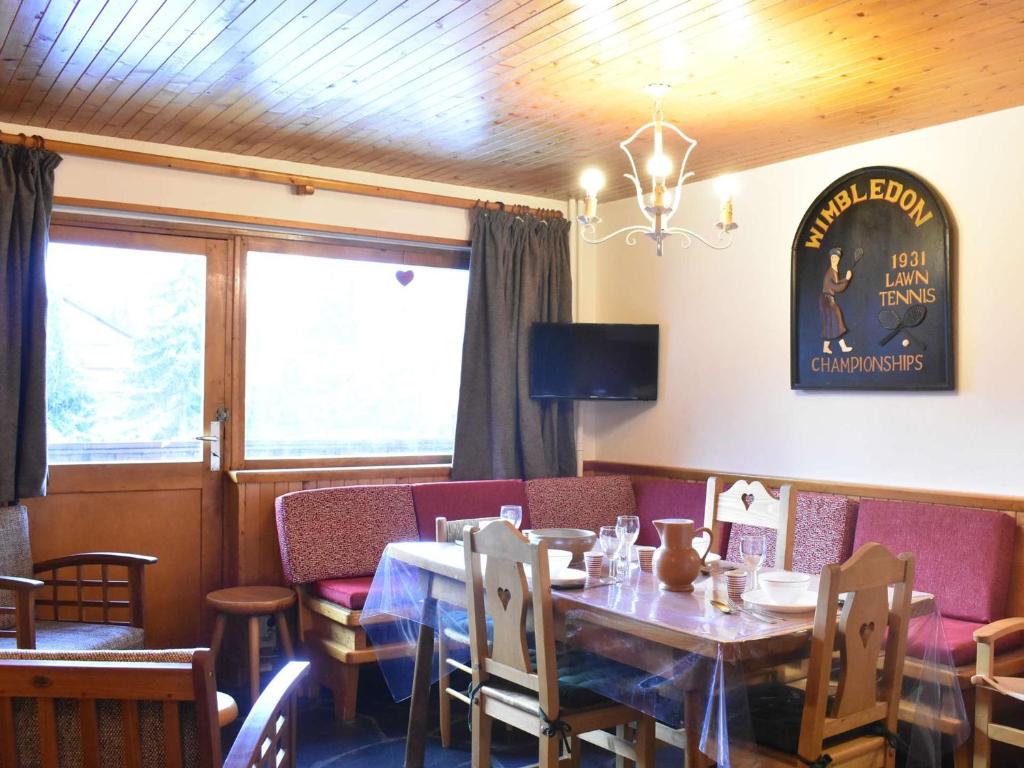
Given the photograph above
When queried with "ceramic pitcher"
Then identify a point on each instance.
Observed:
(676, 562)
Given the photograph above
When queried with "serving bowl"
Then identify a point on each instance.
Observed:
(783, 586)
(574, 540)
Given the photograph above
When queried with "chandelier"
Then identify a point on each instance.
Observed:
(661, 204)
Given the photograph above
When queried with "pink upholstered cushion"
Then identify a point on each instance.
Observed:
(824, 532)
(963, 554)
(465, 500)
(960, 639)
(658, 498)
(336, 533)
(348, 592)
(579, 502)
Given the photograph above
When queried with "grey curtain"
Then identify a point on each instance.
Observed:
(518, 274)
(26, 201)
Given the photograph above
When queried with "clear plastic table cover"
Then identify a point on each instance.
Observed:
(665, 653)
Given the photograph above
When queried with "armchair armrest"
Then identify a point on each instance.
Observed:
(24, 608)
(986, 638)
(273, 713)
(134, 564)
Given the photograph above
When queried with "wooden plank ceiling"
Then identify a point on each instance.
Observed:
(514, 94)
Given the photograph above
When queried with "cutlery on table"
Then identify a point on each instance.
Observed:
(726, 608)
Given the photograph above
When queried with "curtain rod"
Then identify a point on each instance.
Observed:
(303, 185)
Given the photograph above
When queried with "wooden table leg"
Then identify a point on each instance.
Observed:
(692, 725)
(416, 738)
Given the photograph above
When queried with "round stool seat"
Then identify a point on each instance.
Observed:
(251, 601)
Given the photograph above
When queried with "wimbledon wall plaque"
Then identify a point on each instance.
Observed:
(871, 286)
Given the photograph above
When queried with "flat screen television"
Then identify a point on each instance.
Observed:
(594, 361)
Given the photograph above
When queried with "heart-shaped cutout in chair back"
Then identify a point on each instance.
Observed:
(404, 276)
(866, 630)
(747, 499)
(504, 596)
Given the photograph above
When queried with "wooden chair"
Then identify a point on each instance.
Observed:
(142, 708)
(508, 684)
(750, 504)
(446, 530)
(46, 604)
(987, 683)
(853, 721)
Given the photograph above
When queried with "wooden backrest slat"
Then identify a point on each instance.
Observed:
(867, 627)
(764, 510)
(49, 757)
(8, 749)
(172, 735)
(78, 592)
(89, 727)
(105, 592)
(103, 680)
(132, 741)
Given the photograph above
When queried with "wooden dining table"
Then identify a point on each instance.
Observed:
(632, 619)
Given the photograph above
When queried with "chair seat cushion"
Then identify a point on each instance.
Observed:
(960, 639)
(81, 636)
(350, 593)
(776, 710)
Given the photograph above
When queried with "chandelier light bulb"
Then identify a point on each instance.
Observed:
(726, 187)
(592, 181)
(659, 166)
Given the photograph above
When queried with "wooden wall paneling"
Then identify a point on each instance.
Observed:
(163, 523)
(505, 93)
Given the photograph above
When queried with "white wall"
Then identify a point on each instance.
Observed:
(725, 401)
(144, 185)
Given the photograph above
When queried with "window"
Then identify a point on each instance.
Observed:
(125, 352)
(350, 358)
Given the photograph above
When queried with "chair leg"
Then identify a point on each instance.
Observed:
(254, 658)
(345, 686)
(575, 753)
(481, 739)
(624, 731)
(443, 684)
(645, 743)
(982, 743)
(285, 635)
(550, 750)
(218, 634)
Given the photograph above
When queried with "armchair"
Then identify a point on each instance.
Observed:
(87, 601)
(993, 678)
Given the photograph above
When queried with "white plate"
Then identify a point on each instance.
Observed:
(806, 602)
(570, 577)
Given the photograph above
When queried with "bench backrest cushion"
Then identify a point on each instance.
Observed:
(658, 498)
(823, 533)
(963, 554)
(336, 533)
(466, 500)
(579, 502)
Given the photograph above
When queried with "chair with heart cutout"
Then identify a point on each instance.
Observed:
(845, 713)
(748, 506)
(519, 684)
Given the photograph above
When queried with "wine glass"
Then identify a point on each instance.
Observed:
(513, 513)
(608, 535)
(752, 549)
(628, 527)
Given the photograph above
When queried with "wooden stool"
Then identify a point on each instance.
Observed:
(252, 602)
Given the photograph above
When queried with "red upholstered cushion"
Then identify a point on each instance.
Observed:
(579, 502)
(960, 639)
(658, 498)
(464, 500)
(963, 554)
(348, 592)
(336, 533)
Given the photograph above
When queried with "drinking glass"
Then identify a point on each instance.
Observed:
(513, 513)
(752, 549)
(608, 535)
(628, 527)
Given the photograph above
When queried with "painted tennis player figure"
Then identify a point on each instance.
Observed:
(833, 326)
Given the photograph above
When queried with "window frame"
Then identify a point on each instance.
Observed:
(399, 254)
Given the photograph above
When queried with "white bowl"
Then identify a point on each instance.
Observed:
(783, 586)
(558, 561)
